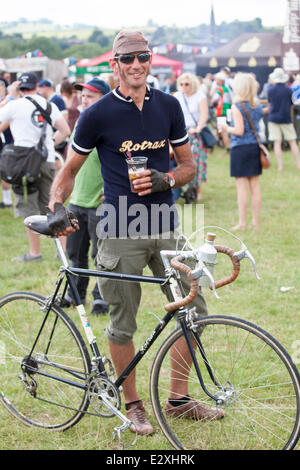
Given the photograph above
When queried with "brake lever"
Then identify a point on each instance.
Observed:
(202, 270)
(246, 254)
(207, 272)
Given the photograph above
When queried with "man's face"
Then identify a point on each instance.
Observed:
(89, 97)
(43, 91)
(132, 75)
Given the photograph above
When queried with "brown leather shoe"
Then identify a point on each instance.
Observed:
(137, 416)
(194, 410)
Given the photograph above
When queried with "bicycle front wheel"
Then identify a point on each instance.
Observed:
(253, 377)
(45, 388)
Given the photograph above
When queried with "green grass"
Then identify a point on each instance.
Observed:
(275, 246)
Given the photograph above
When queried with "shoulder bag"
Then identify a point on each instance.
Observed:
(20, 166)
(264, 154)
(207, 136)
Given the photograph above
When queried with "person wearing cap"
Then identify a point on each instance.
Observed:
(280, 123)
(84, 201)
(222, 101)
(25, 124)
(134, 120)
(46, 89)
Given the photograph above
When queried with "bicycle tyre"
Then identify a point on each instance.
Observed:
(54, 405)
(263, 411)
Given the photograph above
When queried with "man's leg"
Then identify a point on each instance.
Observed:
(181, 361)
(124, 256)
(77, 250)
(99, 305)
(22, 210)
(121, 356)
(6, 192)
(278, 154)
(34, 242)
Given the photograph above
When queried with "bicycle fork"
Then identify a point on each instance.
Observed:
(195, 334)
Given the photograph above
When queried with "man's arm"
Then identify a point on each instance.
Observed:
(186, 167)
(4, 126)
(63, 183)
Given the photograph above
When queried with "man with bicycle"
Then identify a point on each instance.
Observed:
(133, 120)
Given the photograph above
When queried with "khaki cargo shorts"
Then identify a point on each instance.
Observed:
(276, 131)
(131, 256)
(39, 200)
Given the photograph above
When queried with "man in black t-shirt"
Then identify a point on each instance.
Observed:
(134, 120)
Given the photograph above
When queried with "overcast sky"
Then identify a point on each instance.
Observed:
(128, 13)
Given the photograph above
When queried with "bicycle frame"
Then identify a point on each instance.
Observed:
(68, 276)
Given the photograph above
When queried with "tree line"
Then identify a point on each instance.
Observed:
(99, 42)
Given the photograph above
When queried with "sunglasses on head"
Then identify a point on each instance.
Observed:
(143, 57)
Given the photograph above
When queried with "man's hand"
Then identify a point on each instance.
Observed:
(151, 181)
(183, 173)
(61, 221)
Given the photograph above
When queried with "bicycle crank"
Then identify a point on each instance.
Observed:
(104, 396)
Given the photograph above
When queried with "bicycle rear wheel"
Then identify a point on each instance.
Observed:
(255, 377)
(26, 388)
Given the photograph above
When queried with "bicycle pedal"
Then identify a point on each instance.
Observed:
(117, 433)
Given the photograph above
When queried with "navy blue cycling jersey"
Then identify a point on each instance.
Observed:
(115, 126)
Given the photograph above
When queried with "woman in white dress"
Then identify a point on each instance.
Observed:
(195, 109)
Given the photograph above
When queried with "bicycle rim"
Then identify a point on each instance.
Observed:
(36, 399)
(254, 373)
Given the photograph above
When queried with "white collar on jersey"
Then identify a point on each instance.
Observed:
(128, 99)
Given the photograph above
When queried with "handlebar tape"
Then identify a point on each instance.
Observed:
(176, 264)
(236, 266)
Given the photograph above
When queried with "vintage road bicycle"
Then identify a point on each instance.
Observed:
(51, 377)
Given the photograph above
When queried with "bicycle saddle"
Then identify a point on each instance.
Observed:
(38, 224)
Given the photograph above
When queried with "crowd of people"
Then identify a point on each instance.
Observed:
(203, 100)
(95, 126)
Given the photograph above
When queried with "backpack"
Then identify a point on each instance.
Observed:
(20, 166)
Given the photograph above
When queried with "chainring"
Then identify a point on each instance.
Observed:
(99, 385)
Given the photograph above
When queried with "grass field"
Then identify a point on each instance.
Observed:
(275, 246)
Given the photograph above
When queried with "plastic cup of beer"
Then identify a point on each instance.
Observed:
(135, 166)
